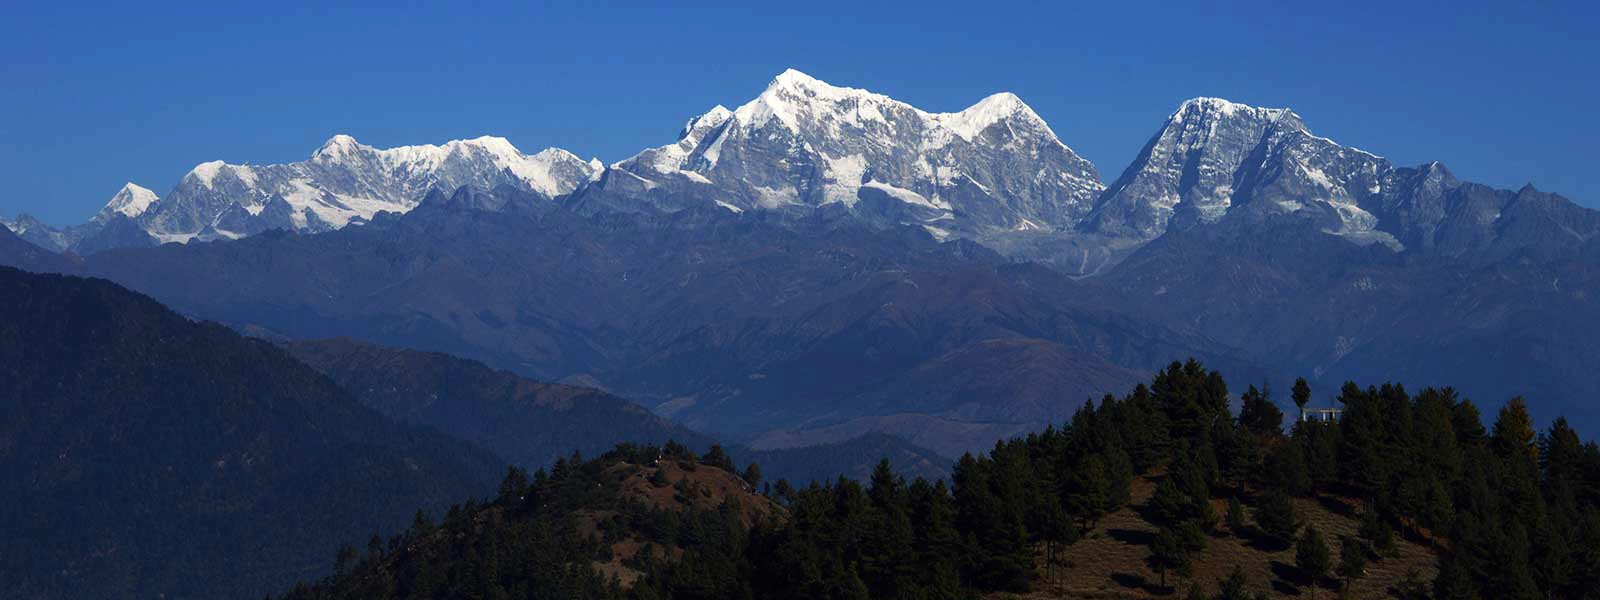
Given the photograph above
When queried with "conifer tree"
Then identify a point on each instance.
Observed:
(514, 485)
(1258, 415)
(1234, 517)
(752, 475)
(1301, 393)
(1377, 533)
(1312, 557)
(1235, 587)
(1089, 492)
(1513, 430)
(717, 457)
(1275, 517)
(1167, 553)
(1352, 560)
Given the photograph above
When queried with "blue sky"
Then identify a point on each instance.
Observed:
(1504, 93)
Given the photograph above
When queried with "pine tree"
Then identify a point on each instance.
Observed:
(1235, 517)
(1513, 430)
(1377, 532)
(1285, 468)
(1312, 557)
(717, 457)
(1167, 553)
(888, 563)
(1235, 587)
(1089, 488)
(514, 485)
(1275, 517)
(1352, 560)
(937, 541)
(1301, 393)
(1258, 415)
(752, 475)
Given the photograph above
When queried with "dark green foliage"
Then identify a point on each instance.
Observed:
(1235, 587)
(1513, 514)
(1352, 559)
(717, 457)
(1311, 555)
(1301, 393)
(1258, 415)
(1276, 518)
(1235, 517)
(1377, 533)
(1167, 554)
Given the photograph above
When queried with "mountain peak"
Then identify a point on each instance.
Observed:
(338, 146)
(132, 200)
(997, 107)
(206, 173)
(718, 115)
(794, 78)
(1208, 108)
(792, 95)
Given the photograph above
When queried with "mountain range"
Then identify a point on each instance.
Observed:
(153, 456)
(824, 259)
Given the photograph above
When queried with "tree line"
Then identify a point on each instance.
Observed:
(1511, 512)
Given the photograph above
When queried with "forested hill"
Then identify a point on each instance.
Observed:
(526, 422)
(146, 456)
(531, 423)
(1162, 491)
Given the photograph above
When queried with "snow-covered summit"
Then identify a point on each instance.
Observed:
(345, 181)
(130, 201)
(1212, 154)
(803, 143)
(1205, 107)
(971, 121)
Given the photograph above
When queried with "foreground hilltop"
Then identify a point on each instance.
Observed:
(1162, 491)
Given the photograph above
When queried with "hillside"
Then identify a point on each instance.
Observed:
(580, 529)
(1162, 492)
(526, 422)
(147, 455)
(1112, 560)
(531, 423)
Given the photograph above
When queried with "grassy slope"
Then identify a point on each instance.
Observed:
(1110, 562)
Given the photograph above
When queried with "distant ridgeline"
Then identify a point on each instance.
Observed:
(1164, 489)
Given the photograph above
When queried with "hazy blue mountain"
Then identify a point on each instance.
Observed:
(531, 423)
(728, 323)
(526, 422)
(148, 455)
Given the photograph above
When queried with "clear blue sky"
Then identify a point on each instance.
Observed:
(1503, 92)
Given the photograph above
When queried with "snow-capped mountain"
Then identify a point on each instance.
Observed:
(1218, 162)
(994, 172)
(33, 230)
(804, 144)
(1213, 158)
(345, 181)
(131, 201)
